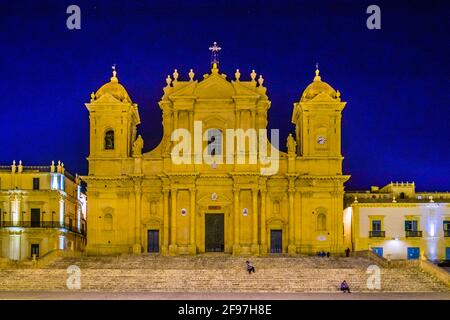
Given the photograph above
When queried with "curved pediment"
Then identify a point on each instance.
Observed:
(108, 210)
(276, 221)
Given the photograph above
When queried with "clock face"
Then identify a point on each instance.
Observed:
(321, 140)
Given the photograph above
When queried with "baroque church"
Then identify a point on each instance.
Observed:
(152, 202)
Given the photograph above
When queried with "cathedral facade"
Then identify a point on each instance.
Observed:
(201, 190)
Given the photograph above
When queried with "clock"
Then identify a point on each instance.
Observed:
(321, 140)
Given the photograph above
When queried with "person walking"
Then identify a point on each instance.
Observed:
(250, 267)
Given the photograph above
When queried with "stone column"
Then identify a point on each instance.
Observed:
(238, 119)
(253, 115)
(337, 218)
(175, 120)
(263, 247)
(13, 210)
(191, 121)
(255, 245)
(291, 246)
(298, 218)
(191, 130)
(333, 223)
(236, 150)
(166, 222)
(236, 246)
(137, 247)
(192, 244)
(20, 209)
(173, 222)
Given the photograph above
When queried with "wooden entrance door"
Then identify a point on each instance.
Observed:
(276, 244)
(153, 241)
(214, 233)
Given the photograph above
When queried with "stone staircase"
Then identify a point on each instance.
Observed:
(215, 273)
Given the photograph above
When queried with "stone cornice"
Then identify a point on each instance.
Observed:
(182, 174)
(303, 158)
(108, 178)
(389, 204)
(244, 173)
(342, 178)
(109, 159)
(214, 176)
(28, 192)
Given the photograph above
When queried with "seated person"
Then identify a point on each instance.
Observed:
(345, 287)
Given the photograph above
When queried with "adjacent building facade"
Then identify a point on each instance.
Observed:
(397, 222)
(42, 208)
(190, 195)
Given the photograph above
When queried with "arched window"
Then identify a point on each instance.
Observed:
(402, 195)
(214, 142)
(108, 221)
(109, 140)
(321, 222)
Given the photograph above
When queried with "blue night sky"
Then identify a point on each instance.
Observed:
(395, 80)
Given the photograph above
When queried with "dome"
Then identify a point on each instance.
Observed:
(114, 88)
(317, 87)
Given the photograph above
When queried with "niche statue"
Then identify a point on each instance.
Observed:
(137, 146)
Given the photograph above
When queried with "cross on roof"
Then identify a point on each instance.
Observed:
(215, 53)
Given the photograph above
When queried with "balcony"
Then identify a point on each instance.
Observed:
(413, 234)
(41, 224)
(446, 233)
(377, 234)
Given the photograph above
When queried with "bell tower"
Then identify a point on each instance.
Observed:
(317, 119)
(113, 124)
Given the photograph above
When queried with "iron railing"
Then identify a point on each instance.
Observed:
(377, 234)
(413, 233)
(42, 224)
